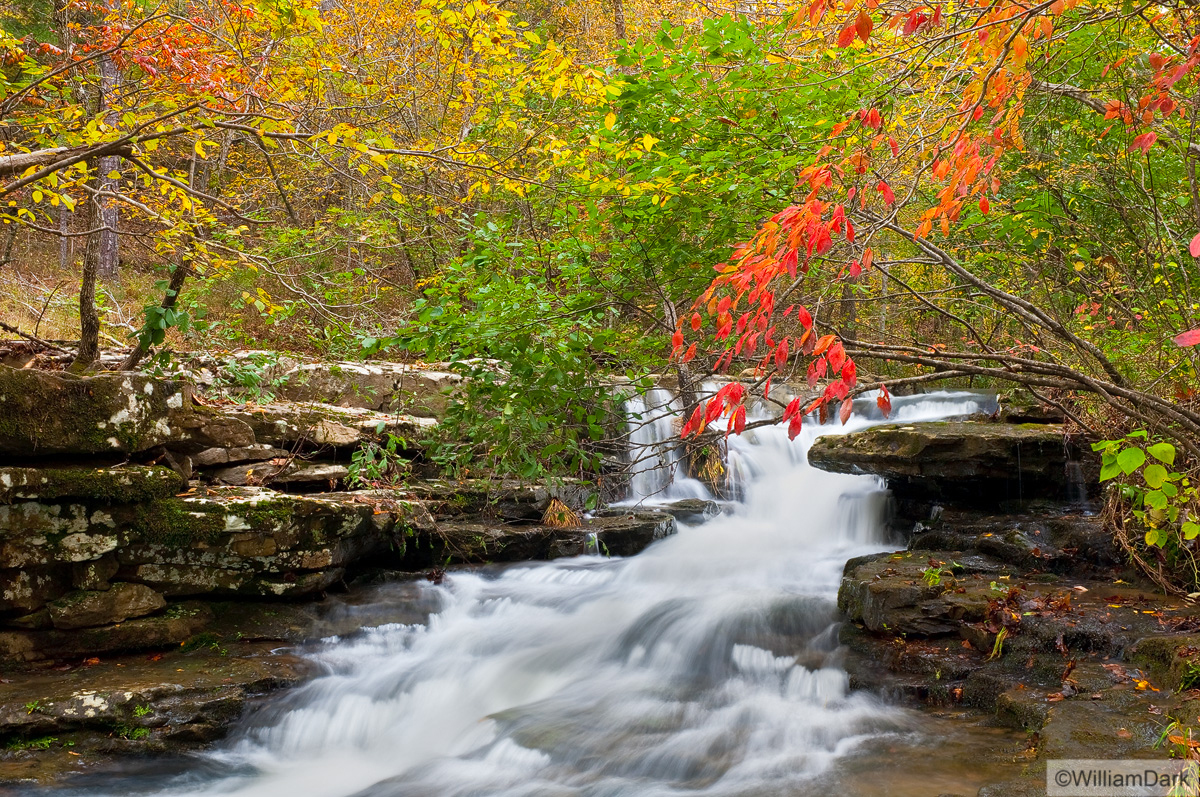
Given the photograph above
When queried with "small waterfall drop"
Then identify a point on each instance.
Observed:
(704, 666)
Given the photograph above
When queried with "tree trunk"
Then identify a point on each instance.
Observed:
(89, 320)
(178, 276)
(64, 243)
(619, 17)
(108, 245)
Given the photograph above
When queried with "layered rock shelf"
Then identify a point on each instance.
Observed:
(1009, 596)
(123, 497)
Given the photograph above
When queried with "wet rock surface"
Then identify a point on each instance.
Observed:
(1094, 667)
(966, 461)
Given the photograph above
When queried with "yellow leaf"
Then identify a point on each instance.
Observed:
(610, 120)
(200, 148)
(331, 138)
(648, 141)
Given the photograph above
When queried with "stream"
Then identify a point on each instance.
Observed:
(707, 665)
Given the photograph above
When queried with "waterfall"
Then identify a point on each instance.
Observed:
(657, 472)
(705, 665)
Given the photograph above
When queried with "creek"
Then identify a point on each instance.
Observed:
(707, 665)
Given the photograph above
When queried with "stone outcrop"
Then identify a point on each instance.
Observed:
(49, 413)
(958, 460)
(621, 535)
(1092, 667)
(287, 425)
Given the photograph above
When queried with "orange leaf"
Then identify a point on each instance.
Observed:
(844, 412)
(823, 343)
(863, 25)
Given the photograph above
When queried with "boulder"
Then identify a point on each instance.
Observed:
(237, 541)
(466, 542)
(288, 472)
(286, 425)
(375, 386)
(143, 633)
(44, 413)
(501, 499)
(119, 602)
(124, 484)
(956, 460)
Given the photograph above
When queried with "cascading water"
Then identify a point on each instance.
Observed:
(702, 666)
(656, 472)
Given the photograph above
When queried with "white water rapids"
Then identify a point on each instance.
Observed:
(702, 666)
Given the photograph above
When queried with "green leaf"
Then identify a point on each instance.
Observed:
(1191, 530)
(1111, 470)
(1131, 459)
(1170, 489)
(1163, 452)
(1152, 537)
(1155, 499)
(1155, 475)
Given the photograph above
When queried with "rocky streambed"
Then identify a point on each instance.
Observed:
(157, 548)
(1008, 597)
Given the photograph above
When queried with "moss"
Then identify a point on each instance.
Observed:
(44, 413)
(178, 523)
(175, 523)
(129, 485)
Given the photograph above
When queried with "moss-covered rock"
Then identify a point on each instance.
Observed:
(288, 425)
(965, 460)
(126, 484)
(53, 413)
(86, 608)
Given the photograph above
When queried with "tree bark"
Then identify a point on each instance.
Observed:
(619, 17)
(108, 242)
(89, 319)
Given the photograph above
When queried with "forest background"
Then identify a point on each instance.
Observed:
(892, 194)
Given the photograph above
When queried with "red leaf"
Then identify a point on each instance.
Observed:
(1189, 338)
(846, 36)
(713, 410)
(984, 206)
(895, 146)
(805, 318)
(696, 321)
(1143, 142)
(781, 354)
(844, 412)
(884, 401)
(837, 357)
(677, 340)
(850, 373)
(863, 25)
(886, 190)
(739, 420)
(793, 407)
(690, 354)
(693, 424)
(794, 426)
(1194, 246)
